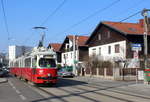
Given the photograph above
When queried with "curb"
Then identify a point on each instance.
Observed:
(3, 80)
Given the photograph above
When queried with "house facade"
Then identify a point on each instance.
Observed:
(69, 57)
(112, 41)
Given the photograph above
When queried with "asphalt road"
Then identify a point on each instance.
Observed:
(91, 90)
(78, 89)
(16, 90)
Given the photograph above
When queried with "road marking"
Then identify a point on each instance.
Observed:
(10, 83)
(22, 97)
(17, 91)
(14, 87)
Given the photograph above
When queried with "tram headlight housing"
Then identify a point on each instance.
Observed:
(49, 74)
(40, 71)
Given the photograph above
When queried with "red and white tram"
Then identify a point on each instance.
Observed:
(39, 66)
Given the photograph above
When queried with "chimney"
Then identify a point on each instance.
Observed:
(141, 22)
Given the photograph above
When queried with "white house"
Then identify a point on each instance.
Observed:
(112, 41)
(69, 57)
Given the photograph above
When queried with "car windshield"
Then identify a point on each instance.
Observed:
(48, 63)
(62, 70)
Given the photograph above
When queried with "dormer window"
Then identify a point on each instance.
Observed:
(99, 37)
(108, 34)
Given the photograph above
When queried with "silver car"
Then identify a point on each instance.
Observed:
(65, 73)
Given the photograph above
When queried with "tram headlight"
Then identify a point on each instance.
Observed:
(49, 74)
(40, 71)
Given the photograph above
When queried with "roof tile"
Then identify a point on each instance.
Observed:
(128, 28)
(55, 46)
(81, 39)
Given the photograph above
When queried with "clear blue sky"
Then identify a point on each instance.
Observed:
(23, 15)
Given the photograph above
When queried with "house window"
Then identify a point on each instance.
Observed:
(99, 37)
(117, 48)
(64, 56)
(67, 47)
(94, 51)
(100, 51)
(109, 49)
(108, 34)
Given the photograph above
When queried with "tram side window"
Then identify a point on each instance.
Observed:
(28, 62)
(16, 64)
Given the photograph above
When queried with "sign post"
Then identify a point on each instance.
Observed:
(136, 48)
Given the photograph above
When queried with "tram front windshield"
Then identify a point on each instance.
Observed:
(47, 63)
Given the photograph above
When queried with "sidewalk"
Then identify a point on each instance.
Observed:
(124, 86)
(3, 80)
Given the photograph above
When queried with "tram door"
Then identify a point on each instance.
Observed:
(33, 70)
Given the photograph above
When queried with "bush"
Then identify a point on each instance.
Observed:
(107, 64)
(59, 66)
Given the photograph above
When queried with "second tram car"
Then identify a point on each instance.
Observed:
(39, 66)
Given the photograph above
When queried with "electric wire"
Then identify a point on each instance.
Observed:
(130, 16)
(47, 18)
(124, 19)
(93, 14)
(51, 14)
(133, 6)
(5, 20)
(90, 16)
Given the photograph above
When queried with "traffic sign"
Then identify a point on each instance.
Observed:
(136, 47)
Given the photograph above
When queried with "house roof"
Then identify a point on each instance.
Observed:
(81, 40)
(122, 27)
(55, 46)
(127, 28)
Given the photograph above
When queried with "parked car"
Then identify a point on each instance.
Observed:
(64, 73)
(4, 72)
(1, 73)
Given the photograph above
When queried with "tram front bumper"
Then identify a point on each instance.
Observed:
(47, 78)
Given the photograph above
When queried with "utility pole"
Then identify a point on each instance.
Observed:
(74, 54)
(77, 55)
(145, 15)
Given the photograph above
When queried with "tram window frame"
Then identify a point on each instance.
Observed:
(27, 62)
(16, 64)
(34, 62)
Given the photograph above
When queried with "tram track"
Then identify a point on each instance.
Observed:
(53, 92)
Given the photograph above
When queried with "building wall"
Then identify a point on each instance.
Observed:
(103, 51)
(105, 35)
(12, 52)
(58, 57)
(83, 53)
(67, 58)
(17, 51)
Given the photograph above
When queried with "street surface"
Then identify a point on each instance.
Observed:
(79, 89)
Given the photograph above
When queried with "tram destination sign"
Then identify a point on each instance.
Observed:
(136, 47)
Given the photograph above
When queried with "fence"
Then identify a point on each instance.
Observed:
(100, 71)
